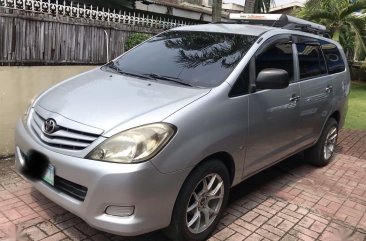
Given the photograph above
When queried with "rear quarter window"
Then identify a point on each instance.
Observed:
(333, 58)
(311, 60)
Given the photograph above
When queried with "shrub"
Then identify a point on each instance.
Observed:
(135, 39)
(358, 71)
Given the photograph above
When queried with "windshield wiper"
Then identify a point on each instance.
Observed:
(167, 78)
(113, 66)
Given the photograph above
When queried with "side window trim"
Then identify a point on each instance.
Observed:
(269, 42)
(296, 60)
(252, 76)
(339, 54)
(251, 63)
(233, 95)
(325, 61)
(314, 41)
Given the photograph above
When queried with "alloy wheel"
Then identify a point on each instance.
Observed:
(205, 203)
(330, 142)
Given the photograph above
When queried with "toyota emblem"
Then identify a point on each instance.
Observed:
(49, 126)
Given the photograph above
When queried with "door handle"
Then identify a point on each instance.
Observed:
(329, 89)
(294, 98)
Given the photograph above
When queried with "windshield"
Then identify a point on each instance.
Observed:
(202, 59)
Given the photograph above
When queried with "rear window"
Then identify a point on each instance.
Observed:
(311, 60)
(333, 57)
(202, 59)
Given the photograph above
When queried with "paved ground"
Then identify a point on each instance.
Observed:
(291, 201)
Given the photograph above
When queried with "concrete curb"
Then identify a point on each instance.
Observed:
(8, 156)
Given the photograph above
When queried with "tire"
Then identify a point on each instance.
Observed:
(179, 229)
(322, 152)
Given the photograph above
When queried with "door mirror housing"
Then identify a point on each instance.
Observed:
(272, 79)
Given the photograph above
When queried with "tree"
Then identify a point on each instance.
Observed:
(262, 6)
(201, 49)
(342, 22)
(257, 6)
(135, 39)
(216, 10)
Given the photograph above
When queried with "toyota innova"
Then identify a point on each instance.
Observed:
(156, 138)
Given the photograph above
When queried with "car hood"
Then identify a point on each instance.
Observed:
(111, 101)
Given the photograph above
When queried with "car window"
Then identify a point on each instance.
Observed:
(278, 55)
(333, 57)
(203, 59)
(241, 85)
(311, 60)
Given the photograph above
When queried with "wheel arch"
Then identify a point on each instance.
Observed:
(222, 156)
(225, 158)
(335, 115)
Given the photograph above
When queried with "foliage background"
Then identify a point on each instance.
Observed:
(345, 21)
(135, 39)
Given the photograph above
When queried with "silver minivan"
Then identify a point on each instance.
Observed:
(156, 138)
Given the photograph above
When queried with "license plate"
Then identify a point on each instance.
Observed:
(49, 177)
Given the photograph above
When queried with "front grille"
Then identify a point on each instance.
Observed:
(70, 188)
(63, 138)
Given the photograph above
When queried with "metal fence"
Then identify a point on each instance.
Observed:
(77, 10)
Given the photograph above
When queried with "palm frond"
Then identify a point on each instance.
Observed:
(358, 25)
(320, 14)
(313, 3)
(359, 5)
(338, 16)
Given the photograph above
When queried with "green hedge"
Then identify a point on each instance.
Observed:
(135, 39)
(358, 70)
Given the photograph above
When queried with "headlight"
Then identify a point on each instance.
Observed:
(27, 111)
(134, 145)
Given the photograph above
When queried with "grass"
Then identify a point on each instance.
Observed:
(356, 116)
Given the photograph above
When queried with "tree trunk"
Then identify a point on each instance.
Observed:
(336, 35)
(249, 6)
(357, 48)
(216, 11)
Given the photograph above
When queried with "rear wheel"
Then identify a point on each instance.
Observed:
(322, 152)
(200, 203)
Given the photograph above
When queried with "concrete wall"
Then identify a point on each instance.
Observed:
(18, 85)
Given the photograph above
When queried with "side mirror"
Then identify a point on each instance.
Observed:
(272, 79)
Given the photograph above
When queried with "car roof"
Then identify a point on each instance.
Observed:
(246, 29)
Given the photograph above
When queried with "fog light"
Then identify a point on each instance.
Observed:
(119, 211)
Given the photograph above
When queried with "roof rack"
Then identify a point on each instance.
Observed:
(281, 21)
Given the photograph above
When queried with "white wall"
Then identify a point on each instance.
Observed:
(18, 85)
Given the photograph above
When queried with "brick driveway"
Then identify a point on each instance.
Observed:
(290, 201)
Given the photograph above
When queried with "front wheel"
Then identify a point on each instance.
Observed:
(322, 152)
(200, 203)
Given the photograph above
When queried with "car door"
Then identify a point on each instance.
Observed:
(316, 88)
(273, 114)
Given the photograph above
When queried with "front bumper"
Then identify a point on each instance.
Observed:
(141, 185)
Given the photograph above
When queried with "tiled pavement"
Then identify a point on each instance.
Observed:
(290, 201)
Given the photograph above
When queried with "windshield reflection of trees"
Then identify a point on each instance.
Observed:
(197, 48)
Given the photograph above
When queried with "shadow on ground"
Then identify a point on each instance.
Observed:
(245, 188)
